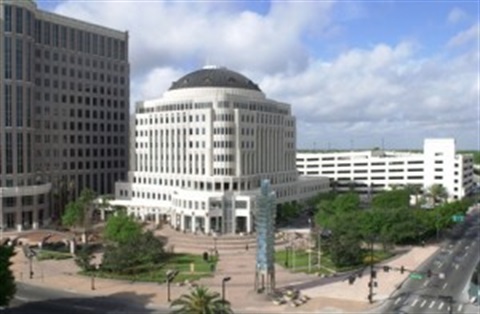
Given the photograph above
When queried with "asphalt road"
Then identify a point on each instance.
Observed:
(452, 267)
(38, 300)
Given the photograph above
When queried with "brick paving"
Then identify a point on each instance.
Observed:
(338, 297)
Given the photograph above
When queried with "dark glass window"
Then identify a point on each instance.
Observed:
(19, 20)
(8, 18)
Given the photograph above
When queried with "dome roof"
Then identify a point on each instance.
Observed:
(211, 76)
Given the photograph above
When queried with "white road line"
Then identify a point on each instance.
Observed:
(444, 285)
(441, 306)
(397, 300)
(414, 302)
(431, 304)
(81, 307)
(22, 299)
(440, 264)
(425, 283)
(423, 303)
(456, 266)
(460, 308)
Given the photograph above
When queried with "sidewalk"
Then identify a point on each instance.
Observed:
(339, 297)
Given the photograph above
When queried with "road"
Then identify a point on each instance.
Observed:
(452, 267)
(33, 299)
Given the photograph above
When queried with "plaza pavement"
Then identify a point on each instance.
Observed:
(337, 297)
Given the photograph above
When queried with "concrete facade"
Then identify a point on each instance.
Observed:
(200, 153)
(64, 111)
(368, 172)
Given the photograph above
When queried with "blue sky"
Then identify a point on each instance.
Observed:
(353, 71)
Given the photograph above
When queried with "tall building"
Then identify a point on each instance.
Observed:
(64, 87)
(369, 172)
(199, 153)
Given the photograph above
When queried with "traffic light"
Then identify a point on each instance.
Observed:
(429, 273)
(351, 279)
(402, 269)
(386, 268)
(373, 274)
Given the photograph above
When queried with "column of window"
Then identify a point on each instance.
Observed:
(19, 106)
(19, 20)
(29, 153)
(8, 105)
(19, 153)
(8, 18)
(8, 57)
(8, 153)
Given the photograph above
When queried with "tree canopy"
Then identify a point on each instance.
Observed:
(390, 221)
(7, 280)
(125, 257)
(398, 198)
(78, 212)
(121, 228)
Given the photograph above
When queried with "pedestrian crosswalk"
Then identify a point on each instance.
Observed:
(428, 304)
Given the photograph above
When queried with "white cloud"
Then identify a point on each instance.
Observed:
(456, 15)
(465, 37)
(385, 91)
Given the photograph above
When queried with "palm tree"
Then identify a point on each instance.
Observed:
(201, 301)
(438, 193)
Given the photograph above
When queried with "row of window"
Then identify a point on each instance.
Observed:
(80, 139)
(95, 63)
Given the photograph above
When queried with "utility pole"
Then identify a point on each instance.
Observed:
(319, 244)
(370, 284)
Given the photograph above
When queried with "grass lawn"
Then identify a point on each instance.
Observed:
(326, 265)
(48, 254)
(157, 273)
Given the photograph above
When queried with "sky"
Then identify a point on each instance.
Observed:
(358, 74)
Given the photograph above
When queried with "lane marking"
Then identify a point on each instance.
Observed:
(431, 304)
(425, 283)
(460, 308)
(22, 299)
(423, 303)
(414, 302)
(456, 266)
(397, 300)
(444, 286)
(82, 307)
(441, 306)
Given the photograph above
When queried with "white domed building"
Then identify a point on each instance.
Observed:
(199, 153)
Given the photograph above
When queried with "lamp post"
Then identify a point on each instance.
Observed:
(224, 280)
(170, 275)
(92, 277)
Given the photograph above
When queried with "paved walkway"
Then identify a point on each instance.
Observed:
(338, 297)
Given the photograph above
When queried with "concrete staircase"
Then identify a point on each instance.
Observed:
(199, 243)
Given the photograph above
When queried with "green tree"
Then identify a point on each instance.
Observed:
(83, 258)
(134, 253)
(344, 245)
(7, 280)
(438, 193)
(121, 228)
(79, 213)
(397, 198)
(287, 211)
(201, 301)
(73, 215)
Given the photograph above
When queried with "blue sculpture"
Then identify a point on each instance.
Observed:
(265, 227)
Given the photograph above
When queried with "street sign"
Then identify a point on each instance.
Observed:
(458, 218)
(416, 276)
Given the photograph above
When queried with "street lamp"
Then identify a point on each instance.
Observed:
(92, 277)
(224, 280)
(170, 275)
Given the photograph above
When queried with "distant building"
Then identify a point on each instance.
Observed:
(199, 153)
(64, 106)
(368, 172)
